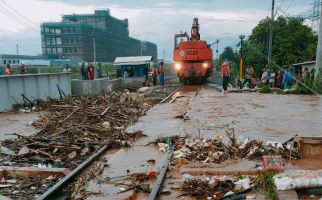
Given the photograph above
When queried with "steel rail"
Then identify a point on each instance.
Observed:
(49, 194)
(157, 186)
(170, 95)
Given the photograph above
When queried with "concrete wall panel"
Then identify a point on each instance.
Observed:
(34, 86)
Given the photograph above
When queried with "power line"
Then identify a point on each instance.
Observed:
(23, 17)
(14, 17)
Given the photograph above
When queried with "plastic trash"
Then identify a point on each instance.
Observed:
(163, 147)
(23, 151)
(185, 177)
(214, 181)
(227, 141)
(152, 172)
(107, 124)
(144, 89)
(298, 179)
(274, 144)
(229, 193)
(244, 182)
(6, 151)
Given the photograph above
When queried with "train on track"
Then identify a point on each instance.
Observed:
(192, 56)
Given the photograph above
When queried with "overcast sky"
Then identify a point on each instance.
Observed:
(151, 20)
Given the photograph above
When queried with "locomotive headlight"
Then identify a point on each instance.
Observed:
(177, 66)
(205, 65)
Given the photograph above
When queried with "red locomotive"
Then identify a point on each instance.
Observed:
(192, 56)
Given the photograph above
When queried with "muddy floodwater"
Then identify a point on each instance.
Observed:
(204, 112)
(17, 123)
(255, 115)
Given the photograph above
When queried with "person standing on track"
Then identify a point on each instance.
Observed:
(154, 75)
(225, 73)
(161, 74)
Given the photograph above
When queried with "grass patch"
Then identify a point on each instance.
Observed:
(266, 185)
(265, 90)
(308, 86)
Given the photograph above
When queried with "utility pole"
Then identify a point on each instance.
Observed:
(270, 39)
(163, 55)
(217, 51)
(241, 37)
(94, 54)
(17, 49)
(318, 65)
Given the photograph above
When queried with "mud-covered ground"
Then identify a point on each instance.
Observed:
(17, 122)
(205, 112)
(260, 116)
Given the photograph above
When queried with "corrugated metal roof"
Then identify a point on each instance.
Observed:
(133, 60)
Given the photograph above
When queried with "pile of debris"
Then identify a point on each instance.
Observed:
(218, 149)
(216, 187)
(72, 129)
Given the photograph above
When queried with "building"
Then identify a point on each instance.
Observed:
(300, 66)
(77, 34)
(15, 60)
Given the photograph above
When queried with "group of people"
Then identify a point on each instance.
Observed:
(9, 70)
(88, 73)
(154, 74)
(284, 78)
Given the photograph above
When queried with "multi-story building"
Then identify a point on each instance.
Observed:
(77, 34)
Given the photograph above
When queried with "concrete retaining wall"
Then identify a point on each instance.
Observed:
(89, 87)
(34, 86)
(94, 87)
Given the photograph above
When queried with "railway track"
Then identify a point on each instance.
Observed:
(64, 182)
(182, 91)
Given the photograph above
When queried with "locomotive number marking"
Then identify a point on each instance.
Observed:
(192, 52)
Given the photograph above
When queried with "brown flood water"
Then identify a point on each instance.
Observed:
(255, 115)
(261, 116)
(17, 123)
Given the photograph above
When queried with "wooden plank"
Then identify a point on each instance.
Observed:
(32, 171)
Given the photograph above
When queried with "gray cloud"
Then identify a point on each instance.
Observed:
(158, 21)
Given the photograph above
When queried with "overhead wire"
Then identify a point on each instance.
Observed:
(23, 17)
(15, 18)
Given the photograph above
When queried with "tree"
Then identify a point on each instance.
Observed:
(233, 58)
(292, 42)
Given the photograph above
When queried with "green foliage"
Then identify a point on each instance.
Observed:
(265, 89)
(230, 55)
(308, 86)
(234, 73)
(269, 186)
(265, 184)
(292, 42)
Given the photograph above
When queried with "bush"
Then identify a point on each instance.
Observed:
(265, 89)
(308, 86)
